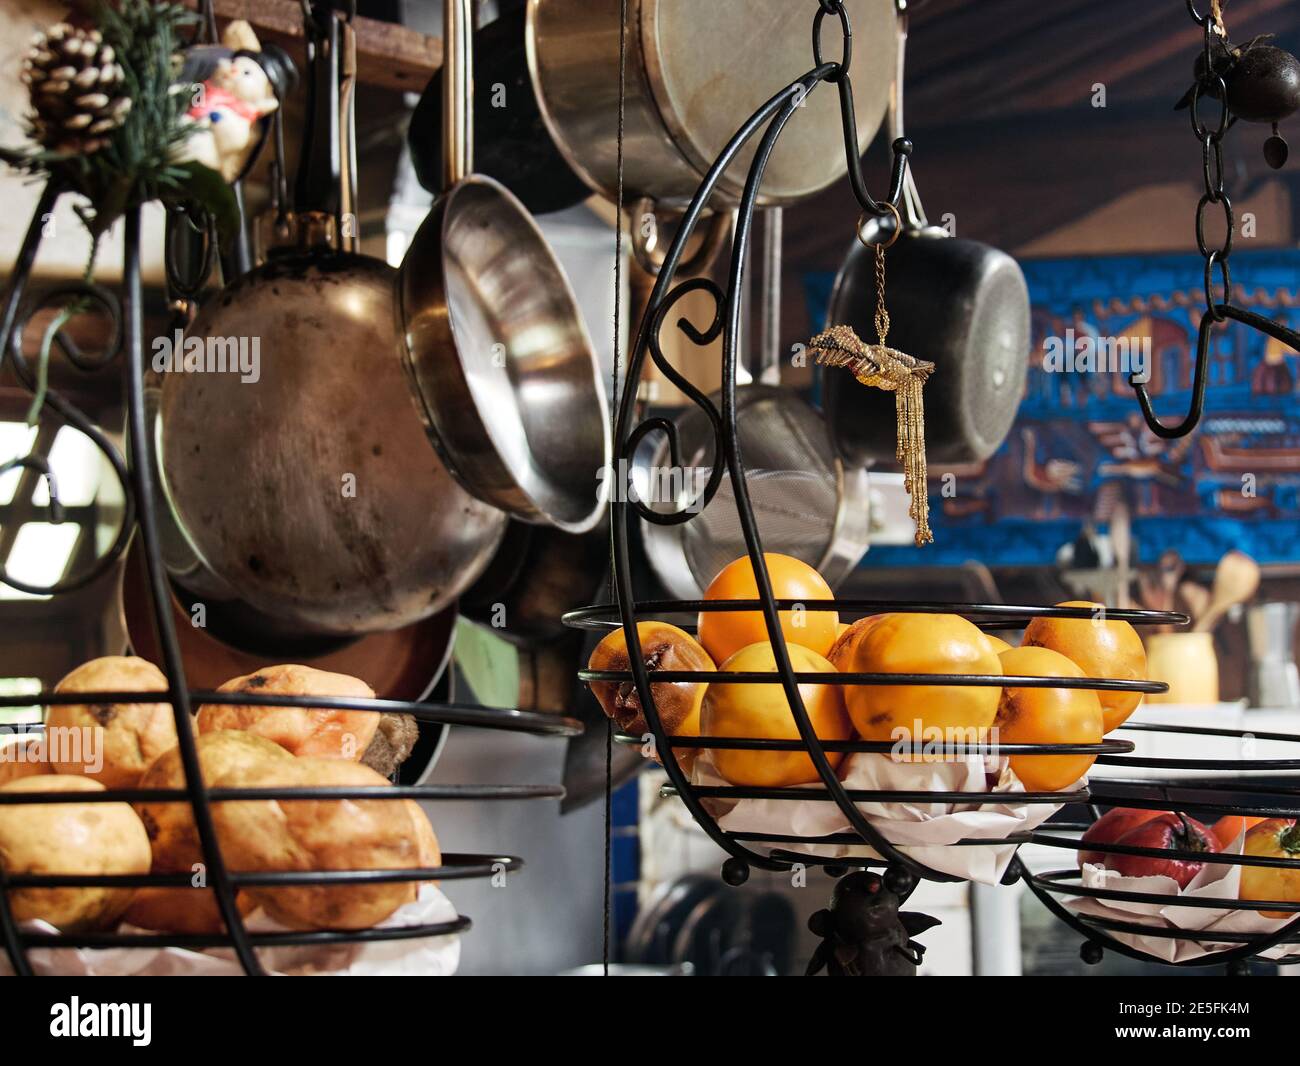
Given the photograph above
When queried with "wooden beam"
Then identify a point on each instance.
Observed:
(389, 56)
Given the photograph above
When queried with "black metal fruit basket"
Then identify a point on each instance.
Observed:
(782, 851)
(1217, 788)
(134, 473)
(831, 789)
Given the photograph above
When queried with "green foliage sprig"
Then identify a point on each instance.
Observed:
(139, 162)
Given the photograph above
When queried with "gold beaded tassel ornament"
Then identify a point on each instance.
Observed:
(881, 367)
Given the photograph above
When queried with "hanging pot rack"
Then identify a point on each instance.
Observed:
(389, 55)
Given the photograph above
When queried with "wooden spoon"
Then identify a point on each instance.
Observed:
(1236, 580)
(1196, 598)
(1121, 542)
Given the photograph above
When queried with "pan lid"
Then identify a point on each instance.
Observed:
(709, 64)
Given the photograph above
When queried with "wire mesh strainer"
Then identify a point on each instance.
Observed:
(808, 504)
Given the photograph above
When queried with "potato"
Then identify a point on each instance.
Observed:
(111, 742)
(313, 731)
(395, 738)
(174, 837)
(315, 834)
(70, 838)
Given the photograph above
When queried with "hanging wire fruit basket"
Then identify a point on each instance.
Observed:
(1244, 786)
(134, 470)
(134, 473)
(782, 852)
(1222, 786)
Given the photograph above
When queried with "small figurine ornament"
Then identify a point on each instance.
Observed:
(235, 90)
(863, 933)
(107, 121)
(881, 367)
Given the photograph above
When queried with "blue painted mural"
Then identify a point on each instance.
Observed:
(1079, 444)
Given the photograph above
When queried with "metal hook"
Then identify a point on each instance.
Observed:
(1212, 316)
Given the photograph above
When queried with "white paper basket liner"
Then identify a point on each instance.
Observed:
(437, 956)
(1215, 881)
(925, 831)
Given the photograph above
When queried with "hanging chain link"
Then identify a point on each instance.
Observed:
(1211, 137)
(1210, 83)
(882, 312)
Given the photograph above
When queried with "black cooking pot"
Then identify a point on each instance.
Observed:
(963, 306)
(511, 142)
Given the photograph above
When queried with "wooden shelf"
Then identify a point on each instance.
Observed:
(388, 55)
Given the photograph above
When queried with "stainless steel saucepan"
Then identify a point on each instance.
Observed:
(307, 485)
(493, 341)
(692, 68)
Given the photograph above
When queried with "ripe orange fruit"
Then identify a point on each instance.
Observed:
(1225, 830)
(922, 644)
(841, 653)
(1047, 716)
(762, 711)
(723, 633)
(1100, 647)
(996, 643)
(1275, 838)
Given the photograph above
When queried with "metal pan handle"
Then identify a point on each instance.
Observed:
(910, 202)
(317, 187)
(458, 91)
(348, 223)
(769, 339)
(647, 249)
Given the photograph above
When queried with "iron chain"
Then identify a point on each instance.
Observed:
(1211, 140)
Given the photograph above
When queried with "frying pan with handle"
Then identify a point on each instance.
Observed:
(309, 487)
(492, 340)
(958, 303)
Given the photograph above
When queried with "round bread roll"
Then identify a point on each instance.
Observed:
(313, 731)
(316, 834)
(174, 838)
(23, 758)
(111, 742)
(188, 911)
(70, 838)
(428, 851)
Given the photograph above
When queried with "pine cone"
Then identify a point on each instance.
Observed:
(75, 84)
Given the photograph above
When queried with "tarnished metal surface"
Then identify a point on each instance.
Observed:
(313, 491)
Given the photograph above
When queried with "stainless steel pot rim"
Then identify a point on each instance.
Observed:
(679, 151)
(474, 407)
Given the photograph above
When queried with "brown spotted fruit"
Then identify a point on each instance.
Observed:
(663, 647)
